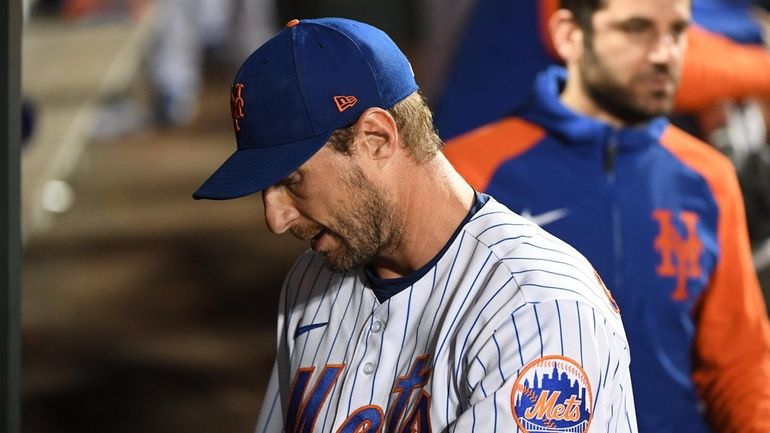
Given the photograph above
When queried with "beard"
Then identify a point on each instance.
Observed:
(631, 103)
(364, 225)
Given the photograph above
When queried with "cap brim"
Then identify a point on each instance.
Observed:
(251, 170)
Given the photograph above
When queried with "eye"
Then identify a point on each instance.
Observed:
(293, 184)
(635, 26)
(679, 29)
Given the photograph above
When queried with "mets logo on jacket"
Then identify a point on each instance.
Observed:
(552, 395)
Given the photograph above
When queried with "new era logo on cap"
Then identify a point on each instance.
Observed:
(345, 102)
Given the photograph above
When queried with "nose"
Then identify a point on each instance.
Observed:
(664, 49)
(280, 212)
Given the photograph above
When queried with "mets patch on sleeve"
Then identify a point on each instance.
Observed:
(552, 394)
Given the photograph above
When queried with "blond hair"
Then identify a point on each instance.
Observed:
(414, 121)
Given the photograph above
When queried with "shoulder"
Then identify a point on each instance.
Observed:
(543, 266)
(509, 129)
(477, 154)
(510, 236)
(715, 168)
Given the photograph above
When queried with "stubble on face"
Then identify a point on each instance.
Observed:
(364, 224)
(632, 103)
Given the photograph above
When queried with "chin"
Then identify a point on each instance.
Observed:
(659, 110)
(655, 106)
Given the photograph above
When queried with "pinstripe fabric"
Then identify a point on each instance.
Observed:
(504, 295)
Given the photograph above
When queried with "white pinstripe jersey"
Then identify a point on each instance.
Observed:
(508, 330)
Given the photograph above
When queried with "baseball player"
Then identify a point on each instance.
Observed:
(660, 214)
(421, 306)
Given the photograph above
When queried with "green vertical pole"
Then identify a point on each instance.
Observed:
(10, 240)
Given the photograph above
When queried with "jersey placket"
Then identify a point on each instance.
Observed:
(358, 384)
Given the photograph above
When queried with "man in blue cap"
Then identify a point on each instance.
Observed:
(421, 305)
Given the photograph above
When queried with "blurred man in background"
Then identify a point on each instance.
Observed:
(189, 31)
(591, 157)
(489, 58)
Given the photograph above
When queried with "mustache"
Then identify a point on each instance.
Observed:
(307, 232)
(659, 71)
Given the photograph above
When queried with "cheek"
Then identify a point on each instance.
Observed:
(313, 206)
(628, 65)
(619, 57)
(324, 208)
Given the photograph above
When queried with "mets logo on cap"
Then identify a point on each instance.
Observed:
(236, 105)
(552, 395)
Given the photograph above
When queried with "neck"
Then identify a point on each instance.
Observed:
(433, 199)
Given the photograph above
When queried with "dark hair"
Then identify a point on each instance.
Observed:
(414, 121)
(583, 11)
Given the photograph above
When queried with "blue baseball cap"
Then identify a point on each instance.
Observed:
(288, 97)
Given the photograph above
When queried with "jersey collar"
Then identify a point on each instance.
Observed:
(384, 289)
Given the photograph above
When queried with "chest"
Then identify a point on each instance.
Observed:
(648, 224)
(399, 365)
(356, 362)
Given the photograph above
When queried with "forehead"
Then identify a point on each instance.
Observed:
(653, 10)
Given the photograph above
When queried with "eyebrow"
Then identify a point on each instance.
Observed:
(291, 178)
(640, 20)
(632, 20)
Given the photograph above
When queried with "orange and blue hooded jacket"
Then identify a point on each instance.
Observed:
(660, 216)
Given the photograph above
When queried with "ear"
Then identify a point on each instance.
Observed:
(566, 35)
(379, 134)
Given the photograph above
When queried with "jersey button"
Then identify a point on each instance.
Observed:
(368, 368)
(376, 326)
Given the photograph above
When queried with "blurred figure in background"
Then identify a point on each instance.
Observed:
(84, 10)
(591, 157)
(189, 30)
(729, 112)
(501, 45)
(754, 174)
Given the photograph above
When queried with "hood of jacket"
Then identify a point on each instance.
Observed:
(544, 107)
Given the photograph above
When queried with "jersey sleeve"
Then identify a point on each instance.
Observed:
(732, 347)
(557, 364)
(731, 353)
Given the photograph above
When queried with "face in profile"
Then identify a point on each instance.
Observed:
(359, 226)
(331, 203)
(632, 58)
